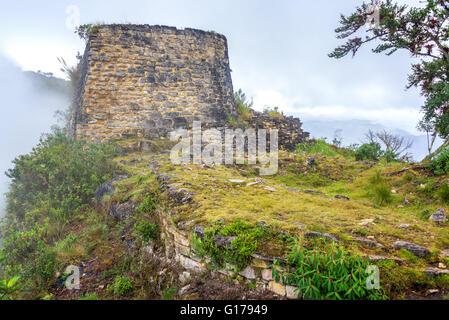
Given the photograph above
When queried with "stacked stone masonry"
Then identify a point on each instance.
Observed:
(177, 247)
(141, 81)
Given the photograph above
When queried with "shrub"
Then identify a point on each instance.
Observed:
(244, 109)
(149, 204)
(380, 188)
(122, 285)
(49, 186)
(382, 194)
(328, 272)
(146, 230)
(443, 193)
(440, 163)
(316, 146)
(390, 156)
(274, 113)
(245, 243)
(369, 151)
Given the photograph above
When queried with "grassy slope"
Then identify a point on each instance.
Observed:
(297, 211)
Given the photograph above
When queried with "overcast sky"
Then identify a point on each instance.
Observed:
(278, 51)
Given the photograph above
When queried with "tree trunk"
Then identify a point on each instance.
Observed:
(430, 156)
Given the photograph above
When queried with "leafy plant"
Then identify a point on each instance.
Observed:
(380, 188)
(122, 285)
(369, 151)
(8, 286)
(382, 194)
(316, 147)
(440, 163)
(146, 230)
(49, 186)
(245, 242)
(443, 193)
(274, 112)
(328, 272)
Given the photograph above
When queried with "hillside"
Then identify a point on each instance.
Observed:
(160, 231)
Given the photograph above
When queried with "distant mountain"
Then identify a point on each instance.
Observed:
(29, 101)
(353, 131)
(49, 83)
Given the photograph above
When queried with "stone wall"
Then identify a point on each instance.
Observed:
(140, 81)
(177, 247)
(290, 129)
(144, 81)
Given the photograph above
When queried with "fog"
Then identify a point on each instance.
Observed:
(27, 111)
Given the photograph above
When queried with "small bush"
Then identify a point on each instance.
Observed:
(382, 194)
(274, 113)
(440, 164)
(380, 188)
(122, 285)
(317, 146)
(328, 272)
(245, 243)
(146, 230)
(369, 151)
(443, 193)
(149, 204)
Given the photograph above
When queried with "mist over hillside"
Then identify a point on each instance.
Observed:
(29, 102)
(353, 131)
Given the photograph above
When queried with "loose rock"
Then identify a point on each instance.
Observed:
(314, 234)
(439, 216)
(411, 247)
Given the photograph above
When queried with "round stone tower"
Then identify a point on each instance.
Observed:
(144, 81)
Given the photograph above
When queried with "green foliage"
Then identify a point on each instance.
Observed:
(440, 163)
(49, 186)
(246, 241)
(143, 226)
(443, 193)
(390, 156)
(8, 286)
(380, 188)
(369, 151)
(316, 147)
(423, 32)
(382, 194)
(85, 30)
(170, 293)
(244, 109)
(328, 272)
(122, 286)
(149, 204)
(89, 296)
(146, 230)
(60, 173)
(274, 112)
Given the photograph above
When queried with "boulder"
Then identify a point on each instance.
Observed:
(199, 231)
(122, 211)
(341, 197)
(314, 234)
(438, 216)
(108, 188)
(434, 272)
(180, 195)
(411, 247)
(368, 242)
(223, 241)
